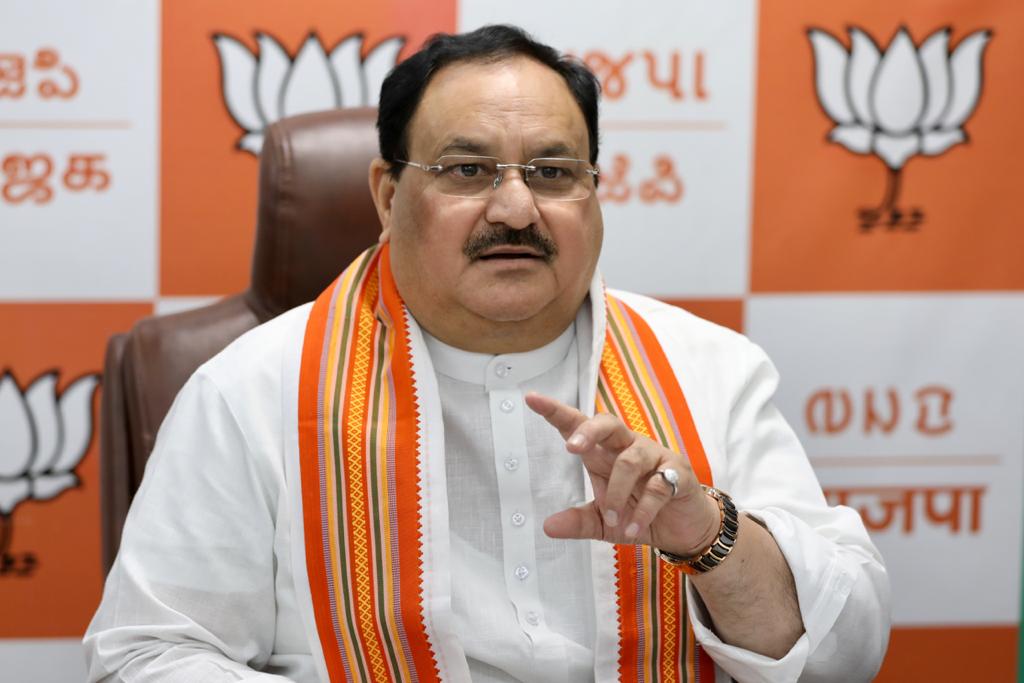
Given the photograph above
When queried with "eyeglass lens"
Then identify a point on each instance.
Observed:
(473, 176)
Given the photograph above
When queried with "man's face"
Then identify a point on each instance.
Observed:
(451, 256)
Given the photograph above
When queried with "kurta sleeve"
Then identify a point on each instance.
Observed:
(191, 595)
(841, 583)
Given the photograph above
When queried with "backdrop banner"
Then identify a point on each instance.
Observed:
(839, 181)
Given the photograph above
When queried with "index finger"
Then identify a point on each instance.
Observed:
(560, 416)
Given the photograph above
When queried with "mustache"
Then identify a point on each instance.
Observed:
(504, 236)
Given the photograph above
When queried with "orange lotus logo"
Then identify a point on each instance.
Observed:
(261, 88)
(43, 437)
(898, 103)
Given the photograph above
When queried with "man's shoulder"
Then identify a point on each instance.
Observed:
(669, 320)
(259, 352)
(711, 361)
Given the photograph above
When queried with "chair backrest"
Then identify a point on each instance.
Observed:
(315, 216)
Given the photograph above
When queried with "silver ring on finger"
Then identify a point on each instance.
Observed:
(671, 478)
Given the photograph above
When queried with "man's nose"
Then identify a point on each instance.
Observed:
(512, 202)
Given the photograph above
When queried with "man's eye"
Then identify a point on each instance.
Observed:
(465, 170)
(552, 172)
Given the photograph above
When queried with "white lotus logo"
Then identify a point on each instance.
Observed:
(43, 437)
(897, 104)
(260, 89)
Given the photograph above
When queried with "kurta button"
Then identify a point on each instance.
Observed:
(503, 370)
(518, 519)
(511, 464)
(532, 618)
(507, 406)
(521, 572)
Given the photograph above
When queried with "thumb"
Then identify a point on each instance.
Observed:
(583, 521)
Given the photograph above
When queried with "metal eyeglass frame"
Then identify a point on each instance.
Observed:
(528, 167)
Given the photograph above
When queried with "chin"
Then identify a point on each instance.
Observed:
(509, 314)
(509, 308)
(510, 299)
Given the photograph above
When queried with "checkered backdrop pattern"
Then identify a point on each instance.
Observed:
(839, 181)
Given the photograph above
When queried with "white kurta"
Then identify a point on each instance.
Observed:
(210, 581)
(523, 602)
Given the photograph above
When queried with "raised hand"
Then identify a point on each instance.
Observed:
(633, 502)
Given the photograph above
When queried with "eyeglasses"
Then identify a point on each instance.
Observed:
(476, 176)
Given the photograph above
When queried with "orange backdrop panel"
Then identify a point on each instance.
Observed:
(725, 312)
(951, 653)
(806, 235)
(208, 187)
(63, 534)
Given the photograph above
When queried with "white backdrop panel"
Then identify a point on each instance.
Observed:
(49, 660)
(920, 393)
(670, 244)
(80, 241)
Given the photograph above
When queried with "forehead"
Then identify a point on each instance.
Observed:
(515, 106)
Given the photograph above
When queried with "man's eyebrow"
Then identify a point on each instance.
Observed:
(463, 145)
(558, 149)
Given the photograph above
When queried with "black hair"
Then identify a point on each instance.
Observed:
(403, 88)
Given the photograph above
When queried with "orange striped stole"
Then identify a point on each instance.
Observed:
(636, 383)
(361, 460)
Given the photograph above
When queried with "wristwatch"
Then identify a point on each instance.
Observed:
(719, 549)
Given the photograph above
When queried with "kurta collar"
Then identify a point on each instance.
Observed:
(498, 371)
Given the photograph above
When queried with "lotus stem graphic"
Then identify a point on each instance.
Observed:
(260, 89)
(43, 437)
(897, 104)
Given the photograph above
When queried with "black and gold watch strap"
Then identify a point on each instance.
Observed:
(716, 553)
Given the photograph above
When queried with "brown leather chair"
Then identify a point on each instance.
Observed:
(315, 216)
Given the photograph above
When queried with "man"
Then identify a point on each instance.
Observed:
(407, 479)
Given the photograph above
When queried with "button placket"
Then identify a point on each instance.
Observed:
(515, 501)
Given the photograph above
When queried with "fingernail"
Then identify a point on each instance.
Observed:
(632, 530)
(576, 440)
(611, 517)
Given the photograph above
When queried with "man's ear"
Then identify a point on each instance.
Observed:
(382, 188)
